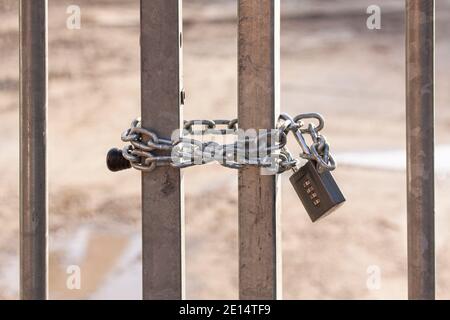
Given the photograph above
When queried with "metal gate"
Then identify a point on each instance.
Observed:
(162, 193)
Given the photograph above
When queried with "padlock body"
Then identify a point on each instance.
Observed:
(318, 192)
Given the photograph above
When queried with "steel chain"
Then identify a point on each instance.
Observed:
(147, 150)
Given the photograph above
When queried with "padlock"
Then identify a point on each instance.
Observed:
(318, 192)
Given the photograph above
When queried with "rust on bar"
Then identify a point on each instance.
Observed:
(162, 189)
(258, 107)
(33, 158)
(420, 40)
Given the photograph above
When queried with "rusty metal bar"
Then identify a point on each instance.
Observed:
(162, 189)
(420, 147)
(33, 131)
(258, 106)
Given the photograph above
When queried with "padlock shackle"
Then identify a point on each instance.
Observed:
(301, 141)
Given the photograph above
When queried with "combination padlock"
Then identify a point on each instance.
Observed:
(318, 192)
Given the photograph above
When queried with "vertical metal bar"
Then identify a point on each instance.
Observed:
(162, 189)
(258, 103)
(33, 125)
(420, 147)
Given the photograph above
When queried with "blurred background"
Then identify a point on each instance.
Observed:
(330, 63)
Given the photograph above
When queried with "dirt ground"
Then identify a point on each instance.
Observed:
(331, 63)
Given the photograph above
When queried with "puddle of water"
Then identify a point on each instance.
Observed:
(125, 280)
(109, 262)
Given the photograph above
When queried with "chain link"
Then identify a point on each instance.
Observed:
(266, 149)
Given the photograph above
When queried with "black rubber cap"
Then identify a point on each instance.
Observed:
(115, 160)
